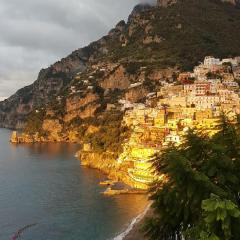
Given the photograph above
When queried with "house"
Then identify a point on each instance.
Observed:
(186, 78)
(178, 101)
(231, 85)
(200, 72)
(204, 102)
(236, 73)
(232, 61)
(210, 62)
(172, 138)
(199, 88)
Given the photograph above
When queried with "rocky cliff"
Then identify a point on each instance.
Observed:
(81, 97)
(50, 82)
(154, 37)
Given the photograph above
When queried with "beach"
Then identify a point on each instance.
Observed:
(134, 230)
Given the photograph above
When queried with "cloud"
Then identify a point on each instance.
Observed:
(35, 34)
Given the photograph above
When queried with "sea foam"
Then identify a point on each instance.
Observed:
(132, 224)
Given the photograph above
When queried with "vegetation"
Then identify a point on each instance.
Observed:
(200, 198)
(190, 30)
(35, 121)
(211, 75)
(110, 135)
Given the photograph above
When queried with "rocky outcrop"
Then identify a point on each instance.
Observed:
(14, 111)
(108, 165)
(163, 74)
(152, 35)
(76, 102)
(135, 94)
(82, 107)
(49, 84)
(117, 79)
(53, 129)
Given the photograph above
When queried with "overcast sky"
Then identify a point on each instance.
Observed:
(36, 33)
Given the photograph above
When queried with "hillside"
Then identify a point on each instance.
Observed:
(153, 45)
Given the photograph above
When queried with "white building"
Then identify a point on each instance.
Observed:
(210, 61)
(200, 72)
(172, 139)
(126, 104)
(233, 61)
(236, 73)
(204, 102)
(231, 85)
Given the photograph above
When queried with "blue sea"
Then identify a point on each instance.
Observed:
(46, 192)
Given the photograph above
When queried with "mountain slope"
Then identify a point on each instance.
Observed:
(173, 35)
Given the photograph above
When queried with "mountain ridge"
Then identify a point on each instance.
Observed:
(154, 37)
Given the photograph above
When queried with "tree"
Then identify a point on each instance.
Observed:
(218, 220)
(199, 173)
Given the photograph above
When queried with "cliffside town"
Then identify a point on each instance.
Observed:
(164, 36)
(195, 100)
(131, 93)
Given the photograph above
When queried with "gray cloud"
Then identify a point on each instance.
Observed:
(36, 33)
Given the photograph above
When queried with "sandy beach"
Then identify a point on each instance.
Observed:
(136, 232)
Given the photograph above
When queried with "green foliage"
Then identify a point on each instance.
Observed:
(190, 30)
(58, 107)
(201, 173)
(110, 135)
(219, 217)
(35, 121)
(132, 67)
(211, 75)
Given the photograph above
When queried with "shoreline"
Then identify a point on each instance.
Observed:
(133, 231)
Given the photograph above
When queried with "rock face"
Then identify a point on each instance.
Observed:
(108, 165)
(82, 107)
(81, 98)
(50, 82)
(117, 79)
(53, 128)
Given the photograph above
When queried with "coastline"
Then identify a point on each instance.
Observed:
(134, 230)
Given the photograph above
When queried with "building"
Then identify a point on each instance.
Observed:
(204, 102)
(198, 88)
(236, 73)
(200, 72)
(231, 85)
(232, 61)
(210, 62)
(186, 78)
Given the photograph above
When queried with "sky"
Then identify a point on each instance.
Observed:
(37, 33)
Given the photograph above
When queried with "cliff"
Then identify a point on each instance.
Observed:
(83, 97)
(155, 37)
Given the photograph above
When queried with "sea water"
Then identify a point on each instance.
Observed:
(44, 186)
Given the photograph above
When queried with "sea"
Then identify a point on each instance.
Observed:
(45, 194)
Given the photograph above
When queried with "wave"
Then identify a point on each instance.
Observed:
(132, 224)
